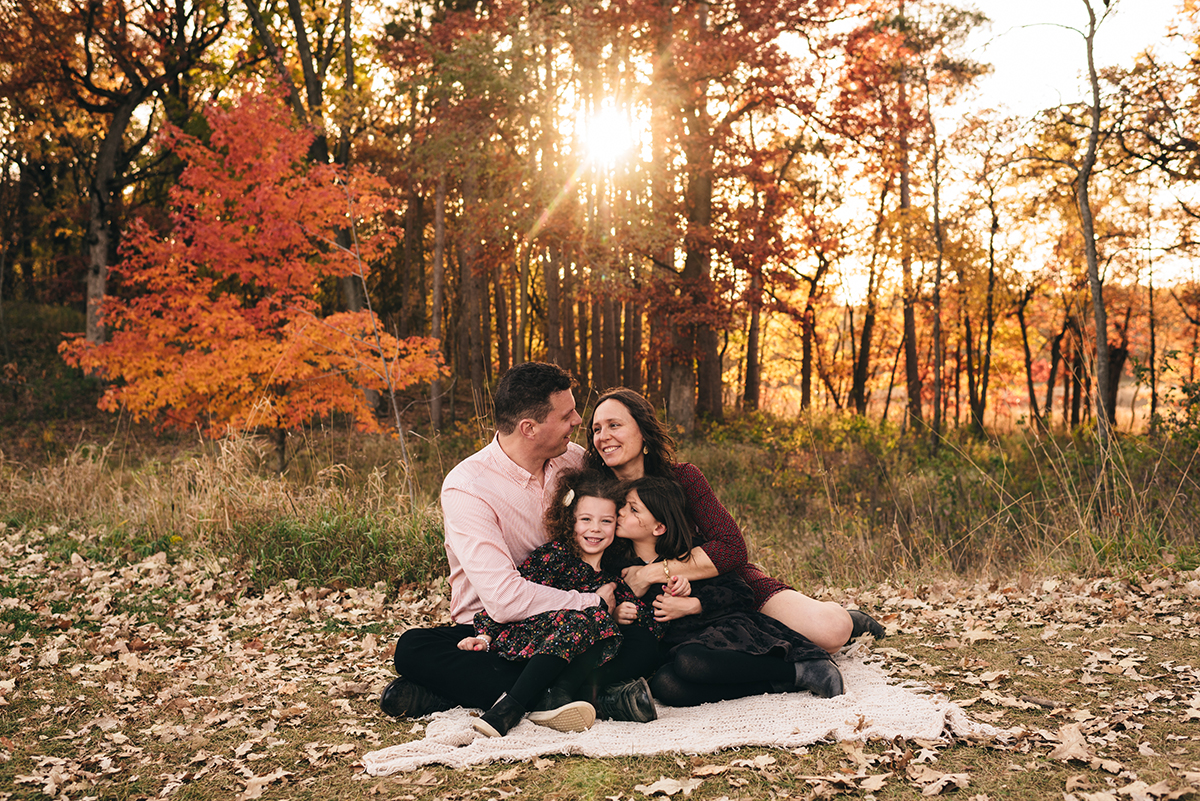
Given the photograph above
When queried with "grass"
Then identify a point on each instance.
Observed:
(821, 500)
(224, 682)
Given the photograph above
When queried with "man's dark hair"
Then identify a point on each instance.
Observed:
(525, 391)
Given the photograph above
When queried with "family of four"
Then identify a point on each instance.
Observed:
(575, 575)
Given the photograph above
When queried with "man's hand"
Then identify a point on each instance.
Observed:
(626, 613)
(608, 594)
(679, 586)
(669, 607)
(474, 644)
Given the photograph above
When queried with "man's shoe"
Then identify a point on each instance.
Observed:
(865, 624)
(406, 699)
(627, 700)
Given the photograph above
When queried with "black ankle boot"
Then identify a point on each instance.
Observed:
(500, 718)
(820, 677)
(865, 624)
(627, 700)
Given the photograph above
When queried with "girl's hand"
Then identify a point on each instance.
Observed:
(473, 644)
(639, 579)
(679, 586)
(626, 613)
(669, 607)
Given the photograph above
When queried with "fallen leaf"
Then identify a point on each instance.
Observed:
(873, 784)
(959, 780)
(1071, 744)
(1078, 782)
(669, 787)
(257, 785)
(934, 782)
(710, 770)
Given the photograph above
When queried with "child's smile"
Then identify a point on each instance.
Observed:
(595, 526)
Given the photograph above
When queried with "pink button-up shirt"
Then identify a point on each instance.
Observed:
(492, 510)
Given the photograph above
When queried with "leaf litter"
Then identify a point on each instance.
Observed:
(166, 674)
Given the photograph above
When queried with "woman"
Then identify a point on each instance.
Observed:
(628, 440)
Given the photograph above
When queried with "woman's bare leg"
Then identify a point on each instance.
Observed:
(826, 623)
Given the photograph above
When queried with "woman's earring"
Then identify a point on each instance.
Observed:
(646, 450)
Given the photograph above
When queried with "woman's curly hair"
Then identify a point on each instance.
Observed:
(572, 485)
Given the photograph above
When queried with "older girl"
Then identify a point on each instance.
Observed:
(720, 646)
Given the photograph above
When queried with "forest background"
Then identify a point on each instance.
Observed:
(937, 359)
(796, 226)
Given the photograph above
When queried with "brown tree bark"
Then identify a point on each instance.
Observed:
(551, 265)
(503, 351)
(471, 289)
(439, 274)
(753, 380)
(1106, 387)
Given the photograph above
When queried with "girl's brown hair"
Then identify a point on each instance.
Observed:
(664, 498)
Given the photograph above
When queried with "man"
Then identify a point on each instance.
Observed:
(492, 504)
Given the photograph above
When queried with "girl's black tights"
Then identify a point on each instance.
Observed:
(698, 675)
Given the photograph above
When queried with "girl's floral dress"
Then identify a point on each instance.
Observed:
(564, 633)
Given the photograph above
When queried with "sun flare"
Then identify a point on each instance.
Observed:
(607, 135)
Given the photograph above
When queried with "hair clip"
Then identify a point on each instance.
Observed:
(570, 496)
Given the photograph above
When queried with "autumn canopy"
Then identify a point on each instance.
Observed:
(787, 205)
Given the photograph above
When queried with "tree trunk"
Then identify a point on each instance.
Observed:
(439, 277)
(503, 352)
(1026, 297)
(1055, 359)
(554, 302)
(597, 316)
(611, 353)
(1106, 406)
(912, 371)
(412, 300)
(279, 439)
(471, 290)
(1076, 377)
(862, 364)
(750, 395)
(100, 215)
(939, 241)
(581, 320)
(633, 343)
(567, 304)
(1153, 359)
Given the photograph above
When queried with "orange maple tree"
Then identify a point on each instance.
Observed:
(218, 325)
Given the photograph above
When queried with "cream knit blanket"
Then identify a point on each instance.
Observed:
(872, 707)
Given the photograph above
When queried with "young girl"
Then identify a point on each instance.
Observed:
(580, 521)
(720, 646)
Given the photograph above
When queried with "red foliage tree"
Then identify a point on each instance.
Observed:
(221, 328)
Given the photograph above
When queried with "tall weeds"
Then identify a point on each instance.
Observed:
(337, 525)
(850, 500)
(832, 499)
